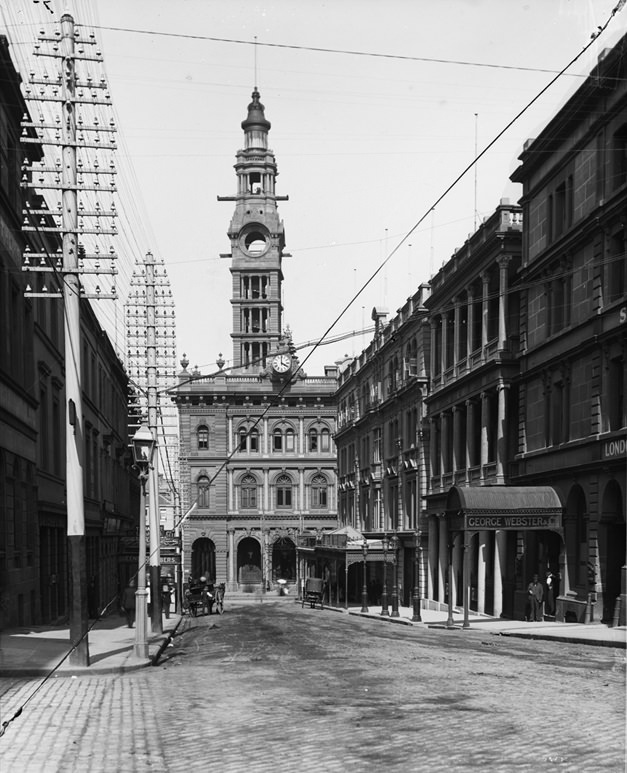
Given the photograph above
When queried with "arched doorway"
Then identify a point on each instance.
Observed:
(204, 559)
(576, 538)
(249, 562)
(284, 560)
(611, 547)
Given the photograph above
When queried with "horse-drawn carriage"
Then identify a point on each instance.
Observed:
(202, 596)
(313, 592)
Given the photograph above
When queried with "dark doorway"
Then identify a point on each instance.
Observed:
(284, 560)
(204, 559)
(249, 562)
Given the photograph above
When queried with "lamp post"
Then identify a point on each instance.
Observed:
(395, 612)
(416, 594)
(143, 449)
(384, 594)
(364, 587)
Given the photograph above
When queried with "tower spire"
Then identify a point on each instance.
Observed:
(257, 243)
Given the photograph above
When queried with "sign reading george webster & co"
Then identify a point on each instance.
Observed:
(536, 521)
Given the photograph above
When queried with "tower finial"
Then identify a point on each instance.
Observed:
(255, 50)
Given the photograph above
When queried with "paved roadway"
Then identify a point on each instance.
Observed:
(273, 687)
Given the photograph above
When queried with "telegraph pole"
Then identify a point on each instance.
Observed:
(66, 92)
(151, 362)
(154, 552)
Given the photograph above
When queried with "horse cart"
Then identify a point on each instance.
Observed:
(313, 592)
(202, 597)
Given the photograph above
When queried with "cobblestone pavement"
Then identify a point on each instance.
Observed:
(273, 687)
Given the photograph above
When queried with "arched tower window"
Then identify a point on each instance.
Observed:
(248, 492)
(319, 492)
(284, 491)
(202, 495)
(202, 436)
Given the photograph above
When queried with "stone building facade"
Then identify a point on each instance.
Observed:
(34, 576)
(572, 419)
(258, 463)
(382, 462)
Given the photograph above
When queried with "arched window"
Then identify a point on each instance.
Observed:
(313, 439)
(325, 440)
(289, 439)
(202, 485)
(248, 492)
(248, 440)
(202, 435)
(283, 491)
(277, 440)
(319, 493)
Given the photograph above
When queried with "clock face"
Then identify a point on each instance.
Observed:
(282, 363)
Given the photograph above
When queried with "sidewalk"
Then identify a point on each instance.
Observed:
(37, 650)
(577, 633)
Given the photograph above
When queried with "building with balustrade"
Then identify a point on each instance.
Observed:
(471, 413)
(572, 417)
(520, 396)
(382, 462)
(258, 462)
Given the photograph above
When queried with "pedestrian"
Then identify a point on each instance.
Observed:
(166, 596)
(128, 603)
(535, 593)
(550, 593)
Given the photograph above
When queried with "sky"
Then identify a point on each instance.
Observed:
(375, 107)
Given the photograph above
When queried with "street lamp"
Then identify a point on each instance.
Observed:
(143, 449)
(395, 612)
(416, 594)
(364, 587)
(384, 594)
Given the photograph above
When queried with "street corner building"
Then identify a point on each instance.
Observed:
(258, 463)
(485, 425)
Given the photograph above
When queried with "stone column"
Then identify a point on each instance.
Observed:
(432, 447)
(458, 550)
(458, 452)
(484, 430)
(470, 321)
(501, 438)
(503, 262)
(481, 570)
(485, 279)
(470, 429)
(443, 557)
(432, 574)
(432, 353)
(231, 577)
(444, 318)
(456, 332)
(500, 541)
(444, 441)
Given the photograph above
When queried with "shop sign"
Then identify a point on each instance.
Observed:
(613, 448)
(514, 522)
(170, 560)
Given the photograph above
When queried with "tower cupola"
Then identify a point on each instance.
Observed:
(257, 246)
(256, 126)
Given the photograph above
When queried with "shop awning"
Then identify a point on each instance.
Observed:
(506, 507)
(511, 499)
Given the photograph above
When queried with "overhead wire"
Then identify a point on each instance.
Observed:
(595, 35)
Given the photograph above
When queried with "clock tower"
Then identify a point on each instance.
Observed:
(257, 243)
